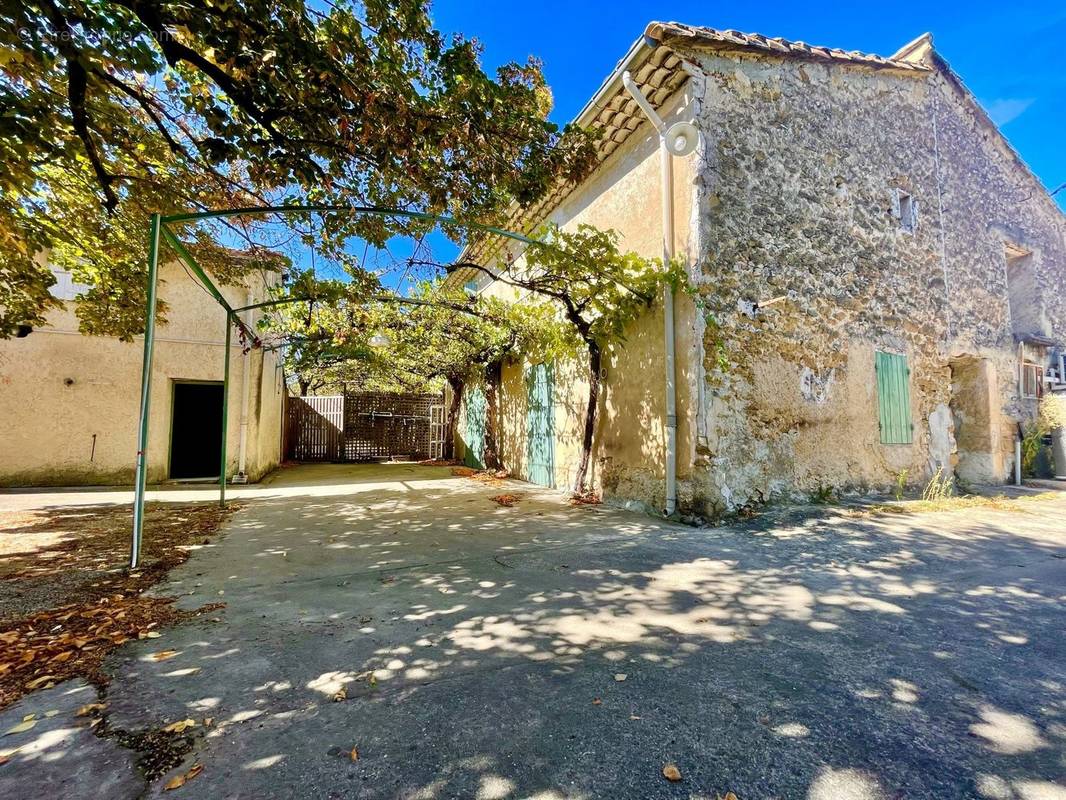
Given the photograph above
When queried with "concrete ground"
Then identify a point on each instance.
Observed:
(472, 651)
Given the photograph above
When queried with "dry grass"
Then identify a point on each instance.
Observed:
(66, 599)
(954, 503)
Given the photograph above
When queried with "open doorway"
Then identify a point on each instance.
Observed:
(195, 431)
(976, 418)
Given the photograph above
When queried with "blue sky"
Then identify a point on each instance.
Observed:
(1008, 53)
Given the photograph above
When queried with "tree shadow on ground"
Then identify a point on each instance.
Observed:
(468, 650)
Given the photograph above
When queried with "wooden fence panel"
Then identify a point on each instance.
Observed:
(315, 428)
(364, 426)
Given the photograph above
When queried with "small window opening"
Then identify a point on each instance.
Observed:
(906, 208)
(1032, 380)
(65, 287)
(1025, 294)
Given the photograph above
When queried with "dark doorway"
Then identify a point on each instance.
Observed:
(196, 432)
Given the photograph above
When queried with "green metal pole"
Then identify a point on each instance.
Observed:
(225, 411)
(146, 390)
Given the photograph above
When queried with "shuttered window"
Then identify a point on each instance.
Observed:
(894, 398)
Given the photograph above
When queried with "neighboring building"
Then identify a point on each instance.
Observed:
(69, 403)
(917, 270)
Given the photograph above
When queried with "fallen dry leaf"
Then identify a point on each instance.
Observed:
(672, 773)
(728, 796)
(180, 780)
(209, 721)
(597, 702)
(36, 682)
(89, 708)
(354, 755)
(22, 727)
(587, 499)
(340, 694)
(620, 676)
(153, 635)
(163, 655)
(175, 783)
(506, 500)
(181, 725)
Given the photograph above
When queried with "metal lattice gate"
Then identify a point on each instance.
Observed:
(365, 426)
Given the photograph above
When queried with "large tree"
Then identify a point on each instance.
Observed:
(432, 337)
(113, 110)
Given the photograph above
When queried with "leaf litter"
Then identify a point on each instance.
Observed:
(66, 599)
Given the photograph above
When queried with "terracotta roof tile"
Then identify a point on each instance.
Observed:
(697, 36)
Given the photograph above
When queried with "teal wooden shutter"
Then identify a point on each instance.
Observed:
(894, 398)
(476, 408)
(540, 426)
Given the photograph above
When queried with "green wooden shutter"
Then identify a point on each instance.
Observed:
(894, 398)
(540, 426)
(476, 416)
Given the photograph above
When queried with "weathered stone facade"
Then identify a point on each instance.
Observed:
(840, 205)
(799, 186)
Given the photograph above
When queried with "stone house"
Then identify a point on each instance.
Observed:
(880, 281)
(69, 403)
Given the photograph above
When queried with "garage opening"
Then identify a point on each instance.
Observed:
(195, 442)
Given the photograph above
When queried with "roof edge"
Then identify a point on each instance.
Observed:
(942, 67)
(701, 37)
(916, 51)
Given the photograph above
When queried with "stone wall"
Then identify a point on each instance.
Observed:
(799, 185)
(1004, 248)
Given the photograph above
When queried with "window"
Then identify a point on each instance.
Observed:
(905, 209)
(1025, 294)
(478, 282)
(1032, 380)
(893, 398)
(65, 288)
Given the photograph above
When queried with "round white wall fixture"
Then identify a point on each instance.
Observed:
(682, 138)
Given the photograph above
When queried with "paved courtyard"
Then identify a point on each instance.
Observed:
(469, 650)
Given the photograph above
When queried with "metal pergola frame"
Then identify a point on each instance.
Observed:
(159, 229)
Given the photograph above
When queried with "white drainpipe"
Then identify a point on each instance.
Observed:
(667, 202)
(246, 386)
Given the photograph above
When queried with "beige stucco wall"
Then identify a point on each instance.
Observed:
(60, 389)
(628, 453)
